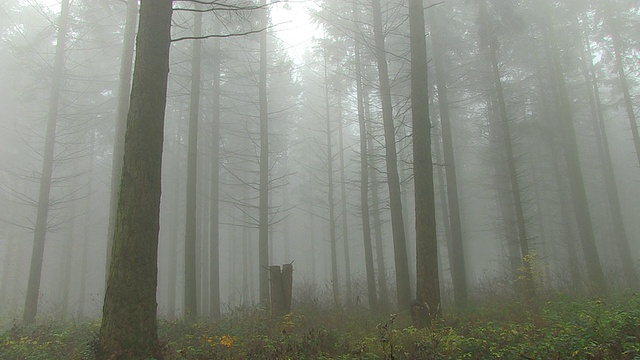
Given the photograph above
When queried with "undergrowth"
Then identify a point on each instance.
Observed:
(561, 329)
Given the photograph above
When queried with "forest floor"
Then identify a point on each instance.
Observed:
(562, 328)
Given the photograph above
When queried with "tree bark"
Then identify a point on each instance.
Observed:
(403, 287)
(428, 283)
(129, 328)
(40, 232)
(124, 90)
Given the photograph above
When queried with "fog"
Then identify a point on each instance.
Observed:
(534, 145)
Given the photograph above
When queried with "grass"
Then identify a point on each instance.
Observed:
(563, 328)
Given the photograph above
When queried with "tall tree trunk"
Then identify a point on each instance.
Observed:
(332, 226)
(565, 213)
(403, 287)
(40, 232)
(263, 231)
(214, 230)
(174, 241)
(624, 86)
(428, 283)
(129, 326)
(528, 286)
(364, 174)
(383, 298)
(574, 168)
(343, 193)
(611, 187)
(190, 241)
(124, 89)
(67, 257)
(503, 191)
(87, 230)
(458, 272)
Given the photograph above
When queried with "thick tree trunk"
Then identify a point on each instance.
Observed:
(403, 287)
(428, 283)
(263, 231)
(364, 176)
(458, 272)
(129, 327)
(190, 241)
(40, 232)
(124, 90)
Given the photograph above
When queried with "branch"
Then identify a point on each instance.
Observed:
(221, 35)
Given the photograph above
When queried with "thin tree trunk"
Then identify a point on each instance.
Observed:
(624, 86)
(40, 232)
(129, 326)
(345, 224)
(124, 89)
(67, 257)
(214, 230)
(458, 272)
(403, 287)
(190, 263)
(611, 187)
(263, 232)
(574, 168)
(383, 299)
(332, 225)
(174, 239)
(565, 213)
(364, 175)
(528, 286)
(87, 230)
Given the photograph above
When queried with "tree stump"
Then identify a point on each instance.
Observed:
(281, 284)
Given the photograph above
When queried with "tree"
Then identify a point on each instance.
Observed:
(191, 283)
(364, 171)
(129, 325)
(454, 224)
(263, 231)
(572, 159)
(489, 37)
(403, 287)
(124, 89)
(40, 231)
(428, 285)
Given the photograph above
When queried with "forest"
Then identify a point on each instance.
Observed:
(319, 179)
